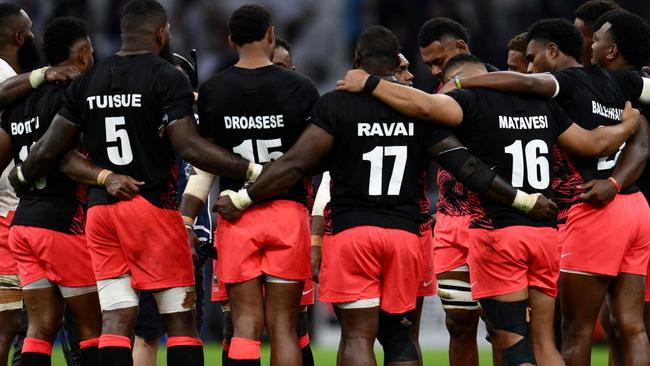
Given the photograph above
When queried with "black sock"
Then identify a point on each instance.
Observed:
(185, 355)
(307, 356)
(115, 356)
(225, 361)
(90, 356)
(244, 362)
(35, 359)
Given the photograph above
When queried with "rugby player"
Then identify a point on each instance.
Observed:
(51, 248)
(138, 101)
(373, 259)
(523, 271)
(622, 41)
(194, 198)
(618, 256)
(586, 15)
(441, 39)
(517, 54)
(258, 110)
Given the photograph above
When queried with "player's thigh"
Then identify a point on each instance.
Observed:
(281, 307)
(358, 323)
(542, 315)
(87, 314)
(581, 297)
(44, 312)
(627, 303)
(247, 308)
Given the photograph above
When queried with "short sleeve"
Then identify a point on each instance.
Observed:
(467, 100)
(310, 96)
(72, 104)
(630, 82)
(322, 115)
(433, 134)
(177, 95)
(564, 84)
(562, 120)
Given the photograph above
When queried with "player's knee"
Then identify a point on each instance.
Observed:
(180, 324)
(627, 328)
(461, 323)
(511, 318)
(394, 334)
(461, 311)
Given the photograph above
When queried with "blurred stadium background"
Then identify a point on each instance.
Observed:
(322, 34)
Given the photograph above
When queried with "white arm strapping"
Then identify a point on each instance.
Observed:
(322, 196)
(199, 184)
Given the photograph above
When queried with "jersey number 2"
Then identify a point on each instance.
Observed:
(376, 159)
(122, 154)
(537, 168)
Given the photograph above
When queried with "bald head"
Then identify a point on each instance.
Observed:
(13, 20)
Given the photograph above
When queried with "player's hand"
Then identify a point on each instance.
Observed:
(316, 258)
(631, 114)
(226, 208)
(354, 81)
(194, 242)
(543, 209)
(122, 187)
(17, 185)
(61, 73)
(598, 192)
(449, 86)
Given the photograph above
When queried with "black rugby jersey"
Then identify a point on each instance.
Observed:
(376, 161)
(593, 97)
(514, 135)
(258, 114)
(123, 106)
(54, 202)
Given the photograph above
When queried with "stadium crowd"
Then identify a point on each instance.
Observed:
(540, 226)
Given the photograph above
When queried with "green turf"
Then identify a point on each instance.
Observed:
(327, 356)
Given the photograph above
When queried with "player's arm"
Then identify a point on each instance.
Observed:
(412, 102)
(83, 171)
(16, 87)
(601, 141)
(195, 195)
(318, 224)
(205, 155)
(540, 85)
(60, 137)
(599, 192)
(478, 177)
(301, 160)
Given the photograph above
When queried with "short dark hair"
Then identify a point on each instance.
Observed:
(140, 16)
(461, 59)
(518, 43)
(437, 28)
(248, 24)
(379, 47)
(559, 31)
(7, 11)
(591, 10)
(630, 33)
(60, 35)
(279, 42)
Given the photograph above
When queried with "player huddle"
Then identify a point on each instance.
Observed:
(538, 207)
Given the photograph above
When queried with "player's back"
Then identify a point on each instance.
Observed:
(55, 202)
(375, 162)
(515, 136)
(123, 106)
(258, 114)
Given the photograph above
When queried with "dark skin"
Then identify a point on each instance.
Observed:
(11, 321)
(577, 318)
(15, 33)
(436, 54)
(14, 88)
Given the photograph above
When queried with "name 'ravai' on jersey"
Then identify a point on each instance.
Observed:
(385, 129)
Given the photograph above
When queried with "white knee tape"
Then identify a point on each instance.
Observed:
(16, 305)
(117, 293)
(175, 300)
(68, 292)
(456, 294)
(359, 304)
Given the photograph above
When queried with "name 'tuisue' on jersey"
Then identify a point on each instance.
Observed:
(258, 114)
(54, 202)
(123, 106)
(514, 135)
(376, 161)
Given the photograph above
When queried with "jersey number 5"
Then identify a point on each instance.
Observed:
(376, 159)
(537, 167)
(122, 154)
